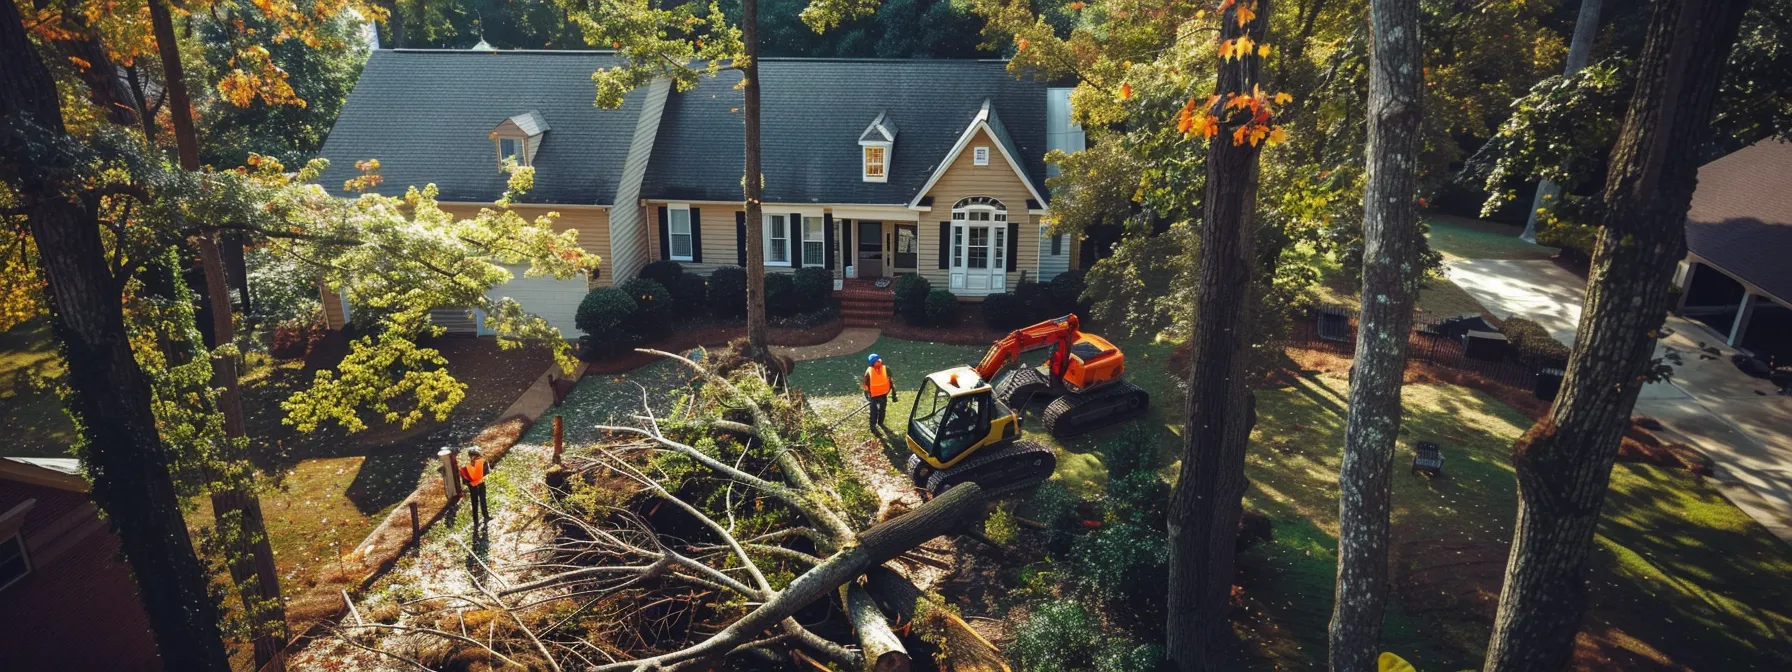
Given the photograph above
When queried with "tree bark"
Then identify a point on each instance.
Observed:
(758, 334)
(235, 505)
(1390, 269)
(882, 649)
(1580, 50)
(1564, 461)
(876, 546)
(1204, 511)
(109, 395)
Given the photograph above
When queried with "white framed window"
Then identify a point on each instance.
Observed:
(13, 563)
(777, 240)
(511, 148)
(814, 242)
(678, 232)
(877, 162)
(980, 156)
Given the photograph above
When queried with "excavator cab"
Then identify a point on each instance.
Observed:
(958, 432)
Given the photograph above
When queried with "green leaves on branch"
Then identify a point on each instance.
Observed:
(1561, 131)
(680, 43)
(389, 376)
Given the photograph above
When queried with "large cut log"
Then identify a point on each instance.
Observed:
(968, 651)
(882, 649)
(875, 546)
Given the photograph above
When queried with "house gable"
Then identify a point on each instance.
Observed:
(973, 159)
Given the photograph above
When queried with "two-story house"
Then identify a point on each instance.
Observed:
(873, 168)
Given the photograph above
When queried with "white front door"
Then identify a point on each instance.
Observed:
(979, 257)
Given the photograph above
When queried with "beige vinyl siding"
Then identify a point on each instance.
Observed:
(996, 180)
(593, 225)
(719, 244)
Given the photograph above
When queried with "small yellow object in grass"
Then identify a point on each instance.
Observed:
(1391, 663)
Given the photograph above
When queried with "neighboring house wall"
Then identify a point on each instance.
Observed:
(1050, 265)
(78, 608)
(965, 179)
(633, 225)
(592, 223)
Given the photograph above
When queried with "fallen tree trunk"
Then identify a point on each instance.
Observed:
(878, 643)
(968, 650)
(875, 546)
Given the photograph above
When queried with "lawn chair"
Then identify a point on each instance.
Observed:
(1429, 458)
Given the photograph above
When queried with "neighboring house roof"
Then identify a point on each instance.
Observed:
(813, 115)
(1741, 216)
(63, 473)
(427, 115)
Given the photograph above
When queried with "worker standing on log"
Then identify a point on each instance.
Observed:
(473, 474)
(878, 390)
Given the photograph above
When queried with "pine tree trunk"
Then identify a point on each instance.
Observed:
(109, 395)
(758, 334)
(1390, 269)
(1204, 511)
(1580, 50)
(235, 505)
(1564, 462)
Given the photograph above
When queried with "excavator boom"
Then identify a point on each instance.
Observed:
(1062, 332)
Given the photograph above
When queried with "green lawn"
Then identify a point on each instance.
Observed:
(1464, 238)
(31, 414)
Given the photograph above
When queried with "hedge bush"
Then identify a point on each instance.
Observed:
(1005, 311)
(664, 272)
(1041, 304)
(728, 291)
(689, 295)
(653, 307)
(942, 308)
(813, 285)
(780, 294)
(1067, 291)
(1062, 636)
(1533, 343)
(606, 315)
(911, 298)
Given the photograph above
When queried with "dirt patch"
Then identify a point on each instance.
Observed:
(710, 335)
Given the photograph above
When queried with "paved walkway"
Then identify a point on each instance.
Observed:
(850, 340)
(1736, 420)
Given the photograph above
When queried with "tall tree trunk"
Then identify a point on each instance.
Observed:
(94, 66)
(1564, 461)
(1390, 267)
(1580, 49)
(1204, 511)
(234, 502)
(758, 335)
(109, 395)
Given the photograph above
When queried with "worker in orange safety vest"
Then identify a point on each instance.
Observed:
(878, 390)
(473, 474)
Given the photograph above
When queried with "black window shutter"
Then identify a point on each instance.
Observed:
(740, 238)
(696, 237)
(850, 253)
(827, 241)
(793, 236)
(665, 236)
(1013, 244)
(945, 244)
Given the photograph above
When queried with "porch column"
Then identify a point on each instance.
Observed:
(1740, 326)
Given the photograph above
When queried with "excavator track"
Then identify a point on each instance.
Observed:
(1074, 414)
(1018, 389)
(998, 470)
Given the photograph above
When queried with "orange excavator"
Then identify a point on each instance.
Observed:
(963, 430)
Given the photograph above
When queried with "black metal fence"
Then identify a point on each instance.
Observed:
(1333, 329)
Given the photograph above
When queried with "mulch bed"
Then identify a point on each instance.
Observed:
(970, 330)
(711, 334)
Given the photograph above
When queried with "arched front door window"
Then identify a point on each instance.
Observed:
(979, 262)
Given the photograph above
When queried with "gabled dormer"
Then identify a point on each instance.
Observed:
(876, 145)
(520, 137)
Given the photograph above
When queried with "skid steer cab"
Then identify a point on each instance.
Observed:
(958, 432)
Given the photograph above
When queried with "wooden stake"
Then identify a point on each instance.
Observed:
(559, 435)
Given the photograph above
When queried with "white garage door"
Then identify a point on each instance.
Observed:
(555, 300)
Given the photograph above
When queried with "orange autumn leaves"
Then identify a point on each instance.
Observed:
(1256, 111)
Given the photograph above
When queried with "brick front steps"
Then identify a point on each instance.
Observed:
(864, 305)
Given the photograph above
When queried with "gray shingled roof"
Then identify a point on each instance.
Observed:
(427, 115)
(1741, 217)
(814, 111)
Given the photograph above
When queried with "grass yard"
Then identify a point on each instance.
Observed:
(1464, 238)
(31, 416)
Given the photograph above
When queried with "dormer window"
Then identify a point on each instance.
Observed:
(875, 144)
(519, 138)
(980, 156)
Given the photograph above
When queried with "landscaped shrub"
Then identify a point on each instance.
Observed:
(1533, 343)
(942, 308)
(1063, 636)
(653, 303)
(911, 298)
(1005, 311)
(1067, 291)
(1125, 565)
(293, 338)
(689, 295)
(780, 294)
(664, 272)
(728, 291)
(1040, 304)
(605, 315)
(1136, 450)
(812, 288)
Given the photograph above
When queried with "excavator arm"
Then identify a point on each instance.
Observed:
(1062, 332)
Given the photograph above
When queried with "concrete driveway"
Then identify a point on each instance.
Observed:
(1738, 421)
